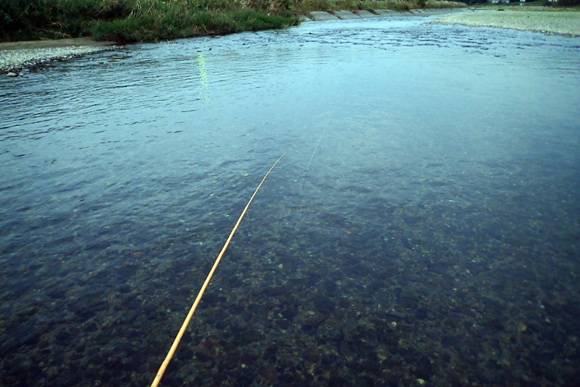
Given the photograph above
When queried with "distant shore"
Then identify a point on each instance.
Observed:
(551, 22)
(157, 20)
(18, 55)
(14, 56)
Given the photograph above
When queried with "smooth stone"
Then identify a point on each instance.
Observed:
(346, 15)
(366, 14)
(320, 15)
(305, 18)
(251, 335)
(397, 314)
(386, 12)
(11, 74)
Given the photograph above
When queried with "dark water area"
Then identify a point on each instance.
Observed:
(422, 228)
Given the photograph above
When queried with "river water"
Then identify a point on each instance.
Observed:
(421, 229)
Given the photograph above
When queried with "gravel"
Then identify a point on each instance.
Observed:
(565, 23)
(13, 61)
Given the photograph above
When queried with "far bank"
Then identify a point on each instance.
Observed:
(536, 19)
(155, 20)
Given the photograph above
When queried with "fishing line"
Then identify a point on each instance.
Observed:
(312, 156)
(315, 148)
(202, 290)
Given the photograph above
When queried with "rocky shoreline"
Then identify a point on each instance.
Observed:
(13, 61)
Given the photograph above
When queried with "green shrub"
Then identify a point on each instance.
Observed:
(195, 22)
(29, 19)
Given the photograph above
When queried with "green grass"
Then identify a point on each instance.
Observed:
(150, 27)
(153, 20)
(307, 6)
(137, 20)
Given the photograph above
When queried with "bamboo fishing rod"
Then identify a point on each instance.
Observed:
(203, 287)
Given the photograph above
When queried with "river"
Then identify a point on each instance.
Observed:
(421, 229)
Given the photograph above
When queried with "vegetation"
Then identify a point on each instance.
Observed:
(304, 7)
(152, 20)
(136, 20)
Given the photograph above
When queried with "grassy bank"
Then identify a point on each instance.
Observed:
(152, 20)
(306, 6)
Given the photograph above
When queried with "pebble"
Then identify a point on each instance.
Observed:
(10, 60)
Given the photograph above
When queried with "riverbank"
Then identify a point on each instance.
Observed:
(53, 43)
(15, 56)
(536, 20)
(155, 20)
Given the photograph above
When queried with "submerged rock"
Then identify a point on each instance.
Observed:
(324, 304)
(251, 335)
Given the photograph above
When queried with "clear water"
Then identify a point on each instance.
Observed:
(422, 228)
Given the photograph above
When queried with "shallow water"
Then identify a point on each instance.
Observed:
(422, 228)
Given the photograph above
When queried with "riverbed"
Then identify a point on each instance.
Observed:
(421, 229)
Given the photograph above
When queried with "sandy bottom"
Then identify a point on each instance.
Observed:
(567, 23)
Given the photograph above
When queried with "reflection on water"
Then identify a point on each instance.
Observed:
(203, 83)
(433, 241)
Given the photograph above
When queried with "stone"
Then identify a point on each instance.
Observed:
(319, 15)
(12, 74)
(323, 304)
(366, 14)
(421, 313)
(386, 12)
(345, 15)
(251, 335)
